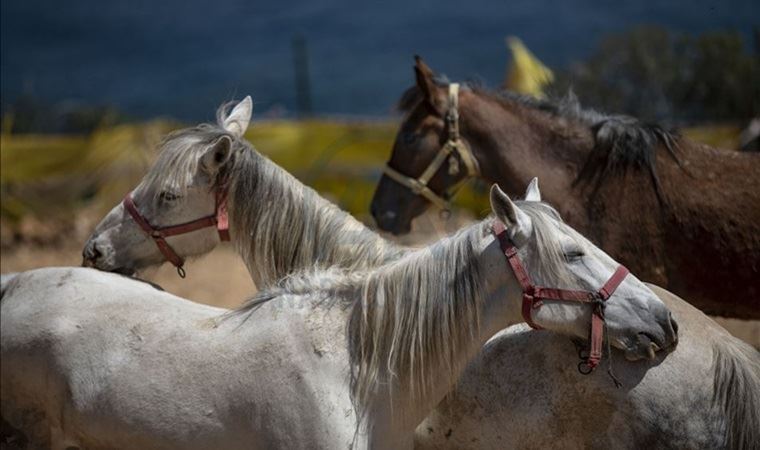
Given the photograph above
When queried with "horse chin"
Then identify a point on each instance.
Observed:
(121, 270)
(395, 227)
(644, 347)
(126, 271)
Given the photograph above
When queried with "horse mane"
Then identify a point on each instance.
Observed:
(621, 142)
(295, 228)
(410, 317)
(413, 315)
(736, 393)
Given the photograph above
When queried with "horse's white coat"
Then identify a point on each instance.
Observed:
(499, 404)
(106, 366)
(523, 391)
(97, 360)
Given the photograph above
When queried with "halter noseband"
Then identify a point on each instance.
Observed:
(533, 297)
(219, 219)
(454, 144)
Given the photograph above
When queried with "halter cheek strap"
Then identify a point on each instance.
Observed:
(220, 220)
(454, 144)
(533, 295)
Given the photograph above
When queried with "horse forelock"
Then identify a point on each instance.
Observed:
(180, 154)
(549, 266)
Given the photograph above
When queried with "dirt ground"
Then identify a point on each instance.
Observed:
(220, 278)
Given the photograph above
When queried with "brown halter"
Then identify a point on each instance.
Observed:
(454, 144)
(533, 297)
(219, 219)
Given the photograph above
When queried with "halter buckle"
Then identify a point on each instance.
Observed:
(534, 302)
(598, 304)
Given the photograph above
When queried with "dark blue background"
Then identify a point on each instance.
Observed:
(182, 58)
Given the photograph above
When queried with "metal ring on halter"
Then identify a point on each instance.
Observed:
(220, 220)
(588, 369)
(583, 353)
(597, 299)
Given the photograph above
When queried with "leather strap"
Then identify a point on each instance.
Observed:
(416, 187)
(597, 318)
(220, 220)
(454, 144)
(533, 295)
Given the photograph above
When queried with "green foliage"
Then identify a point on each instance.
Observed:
(654, 74)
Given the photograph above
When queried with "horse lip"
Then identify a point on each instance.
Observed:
(646, 346)
(126, 271)
(653, 340)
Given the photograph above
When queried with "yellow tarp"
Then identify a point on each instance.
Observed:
(526, 74)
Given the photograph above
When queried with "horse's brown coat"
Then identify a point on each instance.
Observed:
(698, 232)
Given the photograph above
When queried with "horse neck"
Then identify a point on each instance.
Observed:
(287, 227)
(420, 321)
(514, 143)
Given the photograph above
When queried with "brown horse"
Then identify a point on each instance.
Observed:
(679, 214)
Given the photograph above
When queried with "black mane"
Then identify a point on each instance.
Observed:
(620, 142)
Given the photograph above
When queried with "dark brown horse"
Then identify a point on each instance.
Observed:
(677, 213)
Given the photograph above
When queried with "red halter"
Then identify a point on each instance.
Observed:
(533, 296)
(220, 220)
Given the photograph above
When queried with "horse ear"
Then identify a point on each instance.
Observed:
(519, 225)
(217, 156)
(426, 83)
(532, 194)
(240, 116)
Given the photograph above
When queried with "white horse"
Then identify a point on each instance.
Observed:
(333, 237)
(705, 394)
(108, 366)
(278, 225)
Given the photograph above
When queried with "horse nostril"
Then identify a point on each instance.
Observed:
(385, 220)
(90, 254)
(674, 325)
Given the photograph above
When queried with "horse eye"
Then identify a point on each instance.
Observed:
(409, 137)
(574, 255)
(167, 196)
